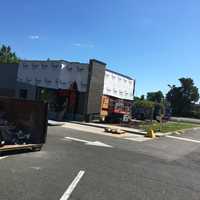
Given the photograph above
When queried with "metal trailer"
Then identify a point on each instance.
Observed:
(23, 124)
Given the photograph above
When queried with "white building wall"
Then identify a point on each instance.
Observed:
(118, 86)
(71, 72)
(60, 75)
(53, 74)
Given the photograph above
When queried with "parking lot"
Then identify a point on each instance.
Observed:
(80, 165)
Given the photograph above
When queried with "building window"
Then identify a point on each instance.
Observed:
(25, 65)
(28, 80)
(37, 81)
(19, 79)
(80, 68)
(57, 81)
(47, 81)
(55, 66)
(113, 77)
(115, 91)
(34, 66)
(69, 68)
(44, 66)
(83, 84)
(23, 93)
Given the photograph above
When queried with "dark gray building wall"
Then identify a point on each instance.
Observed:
(95, 86)
(78, 112)
(8, 77)
(31, 90)
(81, 101)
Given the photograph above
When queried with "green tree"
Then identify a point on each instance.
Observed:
(143, 109)
(182, 98)
(136, 98)
(142, 97)
(144, 104)
(7, 56)
(155, 96)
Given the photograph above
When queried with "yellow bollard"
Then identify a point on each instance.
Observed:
(151, 133)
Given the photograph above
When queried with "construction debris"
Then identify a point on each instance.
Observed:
(23, 123)
(11, 135)
(114, 130)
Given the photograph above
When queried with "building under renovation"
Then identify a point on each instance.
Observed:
(74, 91)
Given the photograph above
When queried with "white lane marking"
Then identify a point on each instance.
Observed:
(184, 139)
(76, 139)
(138, 139)
(1, 158)
(36, 168)
(99, 144)
(92, 143)
(72, 186)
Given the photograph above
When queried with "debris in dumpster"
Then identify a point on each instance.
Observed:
(23, 124)
(3, 121)
(12, 133)
(1, 142)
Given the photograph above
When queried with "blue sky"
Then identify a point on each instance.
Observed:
(154, 41)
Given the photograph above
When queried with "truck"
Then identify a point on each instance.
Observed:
(23, 124)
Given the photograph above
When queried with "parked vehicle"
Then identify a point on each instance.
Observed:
(151, 111)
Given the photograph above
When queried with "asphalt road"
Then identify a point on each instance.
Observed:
(165, 168)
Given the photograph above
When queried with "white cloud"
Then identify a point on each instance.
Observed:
(77, 44)
(33, 37)
(83, 45)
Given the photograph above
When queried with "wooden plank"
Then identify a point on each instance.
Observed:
(19, 147)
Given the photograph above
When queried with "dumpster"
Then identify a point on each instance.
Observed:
(23, 124)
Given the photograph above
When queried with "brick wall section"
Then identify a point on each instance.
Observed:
(95, 86)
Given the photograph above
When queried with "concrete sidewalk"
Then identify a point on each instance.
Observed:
(99, 128)
(100, 131)
(55, 123)
(103, 126)
(184, 119)
(126, 129)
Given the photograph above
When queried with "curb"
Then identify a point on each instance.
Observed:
(176, 132)
(99, 126)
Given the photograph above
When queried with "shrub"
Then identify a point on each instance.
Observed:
(144, 104)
